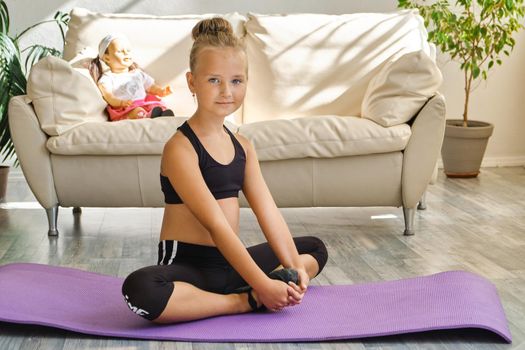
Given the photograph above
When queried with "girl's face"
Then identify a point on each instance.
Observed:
(118, 56)
(219, 80)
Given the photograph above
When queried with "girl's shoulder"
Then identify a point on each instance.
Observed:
(178, 149)
(177, 141)
(245, 143)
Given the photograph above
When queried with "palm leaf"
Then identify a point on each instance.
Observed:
(12, 83)
(4, 18)
(62, 20)
(37, 52)
(12, 78)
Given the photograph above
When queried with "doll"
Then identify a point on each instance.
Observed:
(129, 91)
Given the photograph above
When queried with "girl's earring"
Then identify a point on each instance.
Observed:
(193, 94)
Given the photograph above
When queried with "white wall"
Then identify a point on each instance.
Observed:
(500, 101)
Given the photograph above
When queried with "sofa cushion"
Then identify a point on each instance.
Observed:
(326, 136)
(62, 96)
(160, 44)
(316, 64)
(399, 90)
(125, 137)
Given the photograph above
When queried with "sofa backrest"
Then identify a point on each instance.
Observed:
(299, 64)
(316, 64)
(160, 44)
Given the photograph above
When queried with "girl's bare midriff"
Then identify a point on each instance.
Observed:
(181, 225)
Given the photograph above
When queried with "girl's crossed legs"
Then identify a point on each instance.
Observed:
(194, 281)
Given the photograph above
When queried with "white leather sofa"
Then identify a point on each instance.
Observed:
(343, 110)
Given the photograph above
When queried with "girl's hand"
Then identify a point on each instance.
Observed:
(304, 279)
(296, 292)
(274, 295)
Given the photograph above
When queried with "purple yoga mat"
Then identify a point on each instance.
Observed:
(91, 303)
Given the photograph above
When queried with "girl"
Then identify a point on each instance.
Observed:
(129, 92)
(203, 269)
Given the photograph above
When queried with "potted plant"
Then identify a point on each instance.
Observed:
(13, 77)
(475, 34)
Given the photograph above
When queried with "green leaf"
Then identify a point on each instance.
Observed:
(12, 83)
(62, 22)
(402, 3)
(37, 52)
(4, 18)
(483, 31)
(475, 71)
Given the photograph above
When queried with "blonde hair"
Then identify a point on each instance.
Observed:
(212, 32)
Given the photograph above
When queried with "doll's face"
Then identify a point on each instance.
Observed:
(118, 55)
(219, 80)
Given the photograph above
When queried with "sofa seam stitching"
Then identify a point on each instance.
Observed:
(139, 181)
(314, 199)
(329, 141)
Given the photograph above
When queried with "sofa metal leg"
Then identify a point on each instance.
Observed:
(77, 210)
(422, 205)
(52, 217)
(410, 215)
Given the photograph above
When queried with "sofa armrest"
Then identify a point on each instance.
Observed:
(30, 146)
(422, 151)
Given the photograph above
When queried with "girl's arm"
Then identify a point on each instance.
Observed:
(112, 100)
(268, 215)
(180, 165)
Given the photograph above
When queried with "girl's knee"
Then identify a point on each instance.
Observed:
(321, 253)
(146, 293)
(315, 247)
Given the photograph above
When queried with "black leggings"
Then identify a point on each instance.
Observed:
(148, 289)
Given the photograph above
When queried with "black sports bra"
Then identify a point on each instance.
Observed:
(224, 181)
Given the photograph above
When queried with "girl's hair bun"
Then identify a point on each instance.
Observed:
(211, 27)
(212, 32)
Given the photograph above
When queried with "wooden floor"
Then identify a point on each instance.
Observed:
(476, 225)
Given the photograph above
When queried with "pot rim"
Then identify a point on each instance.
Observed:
(479, 131)
(475, 123)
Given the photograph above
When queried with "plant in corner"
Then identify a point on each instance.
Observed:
(13, 76)
(475, 33)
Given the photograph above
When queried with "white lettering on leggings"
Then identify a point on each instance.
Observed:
(138, 311)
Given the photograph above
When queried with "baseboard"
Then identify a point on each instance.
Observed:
(494, 162)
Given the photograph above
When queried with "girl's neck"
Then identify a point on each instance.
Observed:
(208, 125)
